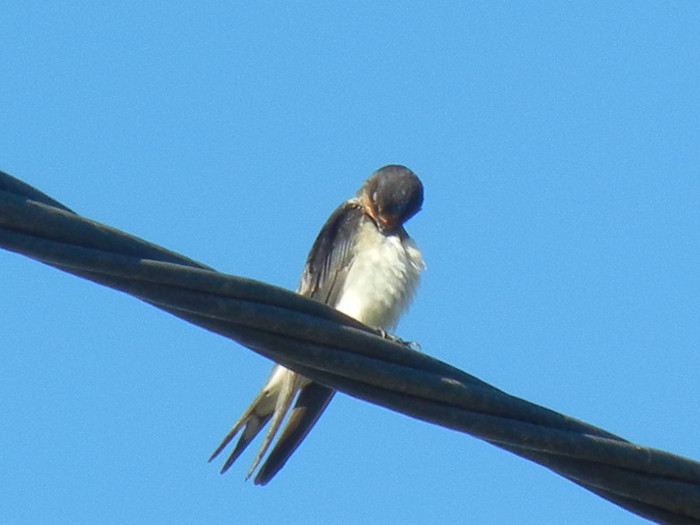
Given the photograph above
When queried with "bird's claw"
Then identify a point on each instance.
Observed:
(413, 345)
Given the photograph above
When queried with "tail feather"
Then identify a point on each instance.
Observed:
(253, 423)
(285, 396)
(272, 405)
(312, 401)
(265, 406)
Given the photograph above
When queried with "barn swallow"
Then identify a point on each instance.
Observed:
(364, 264)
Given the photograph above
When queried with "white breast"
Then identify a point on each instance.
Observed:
(382, 280)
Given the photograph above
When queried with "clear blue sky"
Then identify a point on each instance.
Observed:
(559, 145)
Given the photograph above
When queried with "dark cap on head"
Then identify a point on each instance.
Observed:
(393, 194)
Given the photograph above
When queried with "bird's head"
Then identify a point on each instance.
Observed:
(391, 195)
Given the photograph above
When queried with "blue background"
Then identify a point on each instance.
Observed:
(559, 144)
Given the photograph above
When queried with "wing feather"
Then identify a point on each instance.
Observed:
(330, 257)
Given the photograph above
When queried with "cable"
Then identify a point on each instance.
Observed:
(339, 352)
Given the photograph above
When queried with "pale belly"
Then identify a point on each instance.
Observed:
(382, 280)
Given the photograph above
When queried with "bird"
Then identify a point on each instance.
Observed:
(364, 264)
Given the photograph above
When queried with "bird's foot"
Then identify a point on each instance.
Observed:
(413, 345)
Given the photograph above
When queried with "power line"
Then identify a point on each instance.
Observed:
(339, 352)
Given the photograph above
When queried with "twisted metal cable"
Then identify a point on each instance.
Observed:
(339, 352)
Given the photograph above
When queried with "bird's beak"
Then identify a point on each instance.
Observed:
(386, 223)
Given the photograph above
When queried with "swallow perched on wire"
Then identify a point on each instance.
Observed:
(364, 264)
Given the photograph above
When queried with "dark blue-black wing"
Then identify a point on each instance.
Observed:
(323, 279)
